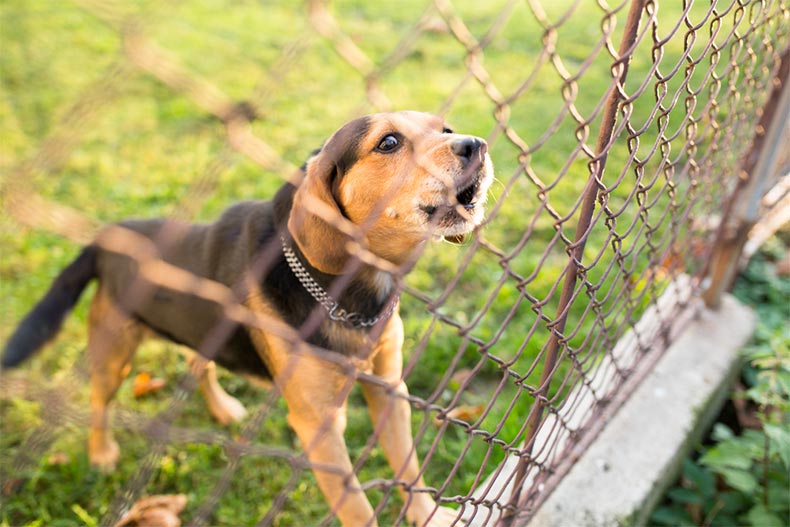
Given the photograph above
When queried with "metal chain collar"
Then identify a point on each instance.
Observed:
(336, 313)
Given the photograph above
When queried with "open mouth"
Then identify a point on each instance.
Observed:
(466, 195)
(465, 198)
(453, 219)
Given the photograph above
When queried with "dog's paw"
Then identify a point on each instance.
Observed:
(435, 517)
(227, 409)
(103, 453)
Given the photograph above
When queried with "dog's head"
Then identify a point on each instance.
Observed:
(401, 178)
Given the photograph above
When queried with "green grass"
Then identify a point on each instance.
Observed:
(142, 150)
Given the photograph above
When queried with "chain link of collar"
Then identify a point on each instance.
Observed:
(336, 313)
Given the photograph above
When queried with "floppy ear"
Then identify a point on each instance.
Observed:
(315, 211)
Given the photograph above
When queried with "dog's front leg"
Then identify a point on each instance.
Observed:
(316, 393)
(391, 415)
(323, 442)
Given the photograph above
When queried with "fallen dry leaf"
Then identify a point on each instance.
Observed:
(155, 511)
(145, 384)
(460, 377)
(464, 412)
(11, 486)
(783, 266)
(58, 458)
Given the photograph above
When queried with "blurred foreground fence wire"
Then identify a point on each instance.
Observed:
(634, 144)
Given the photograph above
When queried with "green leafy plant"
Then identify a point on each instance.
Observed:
(744, 478)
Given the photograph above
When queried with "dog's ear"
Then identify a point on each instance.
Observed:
(316, 210)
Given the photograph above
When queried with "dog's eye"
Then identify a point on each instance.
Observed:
(388, 143)
(447, 130)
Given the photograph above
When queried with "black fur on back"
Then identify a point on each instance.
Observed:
(45, 319)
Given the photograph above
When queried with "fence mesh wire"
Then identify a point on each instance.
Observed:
(618, 132)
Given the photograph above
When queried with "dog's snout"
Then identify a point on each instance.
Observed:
(468, 148)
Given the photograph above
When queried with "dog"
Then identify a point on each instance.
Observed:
(320, 264)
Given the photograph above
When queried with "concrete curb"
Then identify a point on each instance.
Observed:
(621, 477)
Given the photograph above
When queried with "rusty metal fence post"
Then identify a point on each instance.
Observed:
(574, 266)
(755, 176)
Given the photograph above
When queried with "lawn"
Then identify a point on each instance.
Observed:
(119, 142)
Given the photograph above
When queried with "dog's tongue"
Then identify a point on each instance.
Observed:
(456, 238)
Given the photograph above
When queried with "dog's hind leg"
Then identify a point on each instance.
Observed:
(224, 407)
(113, 338)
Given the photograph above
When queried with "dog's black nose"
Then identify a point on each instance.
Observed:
(468, 148)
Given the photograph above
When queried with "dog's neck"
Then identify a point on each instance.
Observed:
(366, 296)
(366, 292)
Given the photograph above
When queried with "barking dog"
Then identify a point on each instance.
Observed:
(320, 265)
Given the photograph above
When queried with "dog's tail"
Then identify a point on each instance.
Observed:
(44, 320)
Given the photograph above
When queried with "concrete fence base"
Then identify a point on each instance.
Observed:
(622, 475)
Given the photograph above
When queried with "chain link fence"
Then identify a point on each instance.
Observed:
(624, 136)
